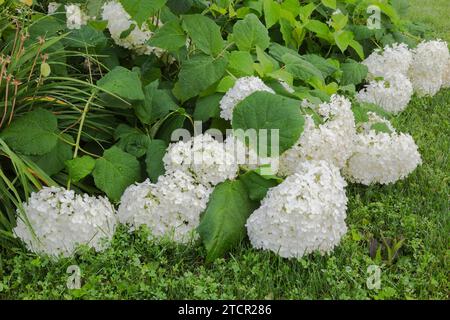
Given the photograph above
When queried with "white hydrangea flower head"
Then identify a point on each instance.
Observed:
(61, 220)
(303, 214)
(242, 88)
(428, 67)
(392, 94)
(75, 17)
(170, 208)
(119, 21)
(381, 157)
(395, 59)
(207, 159)
(331, 141)
(52, 7)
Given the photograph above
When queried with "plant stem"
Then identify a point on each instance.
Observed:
(80, 130)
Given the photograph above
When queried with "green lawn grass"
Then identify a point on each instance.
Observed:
(433, 13)
(415, 209)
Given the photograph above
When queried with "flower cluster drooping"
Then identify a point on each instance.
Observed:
(208, 160)
(119, 22)
(395, 59)
(381, 157)
(429, 66)
(303, 214)
(243, 88)
(397, 72)
(389, 86)
(331, 141)
(392, 94)
(169, 208)
(57, 220)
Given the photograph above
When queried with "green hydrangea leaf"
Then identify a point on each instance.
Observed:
(353, 72)
(329, 3)
(154, 160)
(123, 83)
(272, 12)
(131, 140)
(53, 162)
(80, 168)
(197, 74)
(208, 107)
(205, 33)
(249, 33)
(256, 185)
(157, 104)
(170, 36)
(264, 110)
(222, 226)
(141, 10)
(34, 133)
(301, 68)
(240, 63)
(115, 171)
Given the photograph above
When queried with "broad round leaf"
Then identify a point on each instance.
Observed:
(170, 36)
(122, 82)
(264, 110)
(204, 32)
(197, 74)
(249, 33)
(35, 133)
(53, 162)
(115, 171)
(80, 168)
(353, 72)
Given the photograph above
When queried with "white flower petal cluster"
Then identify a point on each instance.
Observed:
(331, 141)
(428, 67)
(392, 94)
(75, 17)
(170, 208)
(382, 157)
(395, 59)
(61, 220)
(207, 159)
(303, 214)
(243, 88)
(119, 21)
